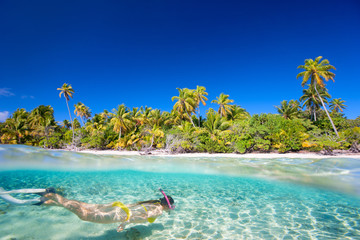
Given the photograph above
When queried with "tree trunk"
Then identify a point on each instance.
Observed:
(72, 124)
(199, 116)
(119, 137)
(327, 113)
(190, 119)
(152, 142)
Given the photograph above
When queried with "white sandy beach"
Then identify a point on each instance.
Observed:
(232, 155)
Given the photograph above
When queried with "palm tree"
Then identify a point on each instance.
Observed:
(311, 100)
(79, 109)
(337, 105)
(17, 125)
(238, 113)
(199, 94)
(156, 133)
(288, 110)
(224, 104)
(121, 119)
(185, 103)
(318, 71)
(135, 114)
(215, 124)
(42, 120)
(82, 111)
(66, 124)
(68, 92)
(76, 123)
(144, 115)
(105, 115)
(158, 118)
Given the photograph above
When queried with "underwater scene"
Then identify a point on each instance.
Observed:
(215, 198)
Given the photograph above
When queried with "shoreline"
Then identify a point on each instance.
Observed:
(161, 153)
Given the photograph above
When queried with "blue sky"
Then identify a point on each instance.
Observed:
(139, 52)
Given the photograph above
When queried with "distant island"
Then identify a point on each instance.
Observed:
(305, 124)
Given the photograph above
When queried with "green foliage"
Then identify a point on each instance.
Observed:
(289, 137)
(244, 144)
(230, 129)
(352, 135)
(324, 123)
(53, 142)
(211, 145)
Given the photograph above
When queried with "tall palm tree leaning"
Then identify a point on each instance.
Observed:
(68, 92)
(318, 71)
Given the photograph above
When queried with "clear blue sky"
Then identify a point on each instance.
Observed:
(139, 52)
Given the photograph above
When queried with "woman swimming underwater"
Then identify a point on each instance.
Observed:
(140, 212)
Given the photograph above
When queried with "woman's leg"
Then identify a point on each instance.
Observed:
(99, 213)
(77, 207)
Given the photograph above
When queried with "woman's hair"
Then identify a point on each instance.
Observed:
(150, 201)
(161, 201)
(164, 202)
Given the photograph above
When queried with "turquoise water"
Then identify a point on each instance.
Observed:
(222, 199)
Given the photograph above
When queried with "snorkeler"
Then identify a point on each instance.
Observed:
(140, 212)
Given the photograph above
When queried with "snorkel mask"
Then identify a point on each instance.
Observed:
(172, 207)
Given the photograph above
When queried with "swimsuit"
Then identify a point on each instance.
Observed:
(128, 212)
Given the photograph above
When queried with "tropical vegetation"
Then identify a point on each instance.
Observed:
(301, 124)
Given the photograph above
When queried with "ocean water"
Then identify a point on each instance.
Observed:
(222, 198)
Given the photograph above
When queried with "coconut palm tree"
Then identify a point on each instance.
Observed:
(317, 71)
(121, 119)
(155, 133)
(224, 104)
(288, 110)
(158, 118)
(17, 125)
(68, 92)
(215, 124)
(185, 103)
(135, 115)
(200, 97)
(66, 124)
(82, 111)
(79, 110)
(76, 123)
(337, 105)
(311, 101)
(238, 113)
(42, 120)
(105, 115)
(144, 115)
